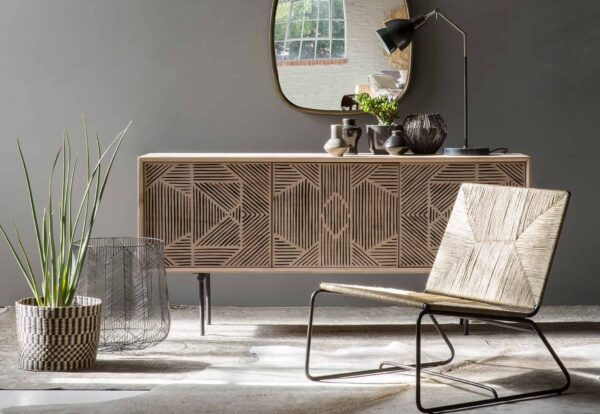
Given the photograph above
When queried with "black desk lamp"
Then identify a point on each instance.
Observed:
(398, 33)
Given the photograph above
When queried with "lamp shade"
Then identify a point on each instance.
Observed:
(398, 33)
(386, 40)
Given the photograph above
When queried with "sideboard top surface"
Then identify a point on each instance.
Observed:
(322, 157)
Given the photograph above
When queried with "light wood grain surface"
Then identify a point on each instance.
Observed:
(307, 213)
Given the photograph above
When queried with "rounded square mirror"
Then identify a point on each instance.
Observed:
(325, 52)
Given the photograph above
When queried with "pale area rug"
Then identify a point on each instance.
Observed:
(252, 361)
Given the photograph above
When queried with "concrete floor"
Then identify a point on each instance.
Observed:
(40, 397)
(251, 361)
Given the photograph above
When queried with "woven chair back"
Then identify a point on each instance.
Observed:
(499, 244)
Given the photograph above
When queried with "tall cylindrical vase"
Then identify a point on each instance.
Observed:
(128, 274)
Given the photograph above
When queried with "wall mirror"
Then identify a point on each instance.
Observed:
(325, 52)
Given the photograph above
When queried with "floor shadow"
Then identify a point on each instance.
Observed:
(332, 329)
(451, 328)
(592, 371)
(147, 366)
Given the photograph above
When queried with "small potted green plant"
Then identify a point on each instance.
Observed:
(385, 109)
(57, 330)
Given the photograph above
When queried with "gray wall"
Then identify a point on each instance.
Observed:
(195, 75)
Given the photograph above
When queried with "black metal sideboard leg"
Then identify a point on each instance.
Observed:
(201, 285)
(208, 306)
(465, 326)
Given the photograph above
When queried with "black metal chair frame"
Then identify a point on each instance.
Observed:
(515, 323)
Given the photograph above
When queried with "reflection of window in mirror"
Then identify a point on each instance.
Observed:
(309, 31)
(326, 51)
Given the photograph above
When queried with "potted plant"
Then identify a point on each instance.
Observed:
(385, 108)
(58, 331)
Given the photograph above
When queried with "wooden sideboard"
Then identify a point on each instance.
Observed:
(307, 212)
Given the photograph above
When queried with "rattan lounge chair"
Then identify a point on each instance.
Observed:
(492, 266)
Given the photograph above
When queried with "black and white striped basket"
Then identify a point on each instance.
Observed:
(58, 339)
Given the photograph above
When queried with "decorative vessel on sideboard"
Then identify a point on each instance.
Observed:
(396, 144)
(351, 134)
(336, 145)
(385, 109)
(378, 135)
(56, 329)
(424, 133)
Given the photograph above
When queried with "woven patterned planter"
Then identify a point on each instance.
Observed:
(58, 339)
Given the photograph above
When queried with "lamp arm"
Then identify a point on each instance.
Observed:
(436, 13)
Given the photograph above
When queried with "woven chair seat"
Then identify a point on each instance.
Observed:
(423, 299)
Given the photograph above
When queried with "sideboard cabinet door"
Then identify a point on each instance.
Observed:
(335, 215)
(427, 195)
(231, 215)
(167, 209)
(210, 215)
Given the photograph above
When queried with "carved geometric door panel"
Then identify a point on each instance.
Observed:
(374, 210)
(209, 215)
(427, 195)
(335, 215)
(296, 210)
(167, 209)
(231, 215)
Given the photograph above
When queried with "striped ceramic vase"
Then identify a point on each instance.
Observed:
(58, 339)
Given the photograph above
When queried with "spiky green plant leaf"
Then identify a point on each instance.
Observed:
(60, 269)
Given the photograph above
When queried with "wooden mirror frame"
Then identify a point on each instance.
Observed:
(323, 111)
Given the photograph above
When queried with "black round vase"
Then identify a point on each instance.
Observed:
(424, 133)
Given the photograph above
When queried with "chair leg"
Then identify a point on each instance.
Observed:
(381, 369)
(419, 365)
(495, 399)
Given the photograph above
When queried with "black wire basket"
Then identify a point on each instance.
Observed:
(128, 275)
